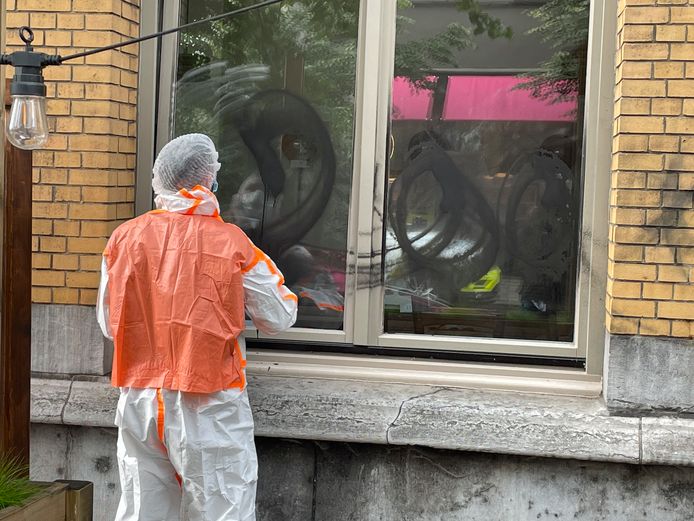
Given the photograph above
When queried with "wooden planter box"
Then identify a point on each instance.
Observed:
(59, 501)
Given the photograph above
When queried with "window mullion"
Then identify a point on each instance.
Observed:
(365, 165)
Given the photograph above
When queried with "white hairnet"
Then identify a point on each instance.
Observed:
(185, 162)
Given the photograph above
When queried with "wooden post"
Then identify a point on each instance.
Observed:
(15, 301)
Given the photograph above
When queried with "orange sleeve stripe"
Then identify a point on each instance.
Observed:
(160, 416)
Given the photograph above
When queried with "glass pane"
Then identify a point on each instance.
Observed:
(484, 184)
(274, 89)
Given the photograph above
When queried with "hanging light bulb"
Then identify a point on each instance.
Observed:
(27, 124)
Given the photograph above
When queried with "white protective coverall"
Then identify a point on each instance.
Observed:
(191, 455)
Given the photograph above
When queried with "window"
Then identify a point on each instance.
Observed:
(419, 169)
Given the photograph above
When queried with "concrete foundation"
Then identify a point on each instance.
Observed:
(649, 375)
(326, 481)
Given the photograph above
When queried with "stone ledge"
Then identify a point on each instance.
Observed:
(439, 417)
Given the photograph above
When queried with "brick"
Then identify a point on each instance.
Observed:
(67, 193)
(49, 210)
(90, 262)
(66, 296)
(626, 289)
(682, 15)
(680, 328)
(622, 326)
(125, 211)
(668, 70)
(629, 180)
(647, 51)
(679, 125)
(93, 143)
(93, 177)
(67, 159)
(68, 125)
(88, 297)
(687, 144)
(685, 255)
(661, 217)
(680, 88)
(94, 108)
(678, 199)
(43, 5)
(104, 160)
(638, 33)
(686, 182)
(42, 193)
(677, 237)
(70, 90)
(630, 143)
(662, 181)
(86, 245)
(633, 308)
(53, 176)
(641, 124)
(658, 291)
(636, 235)
(40, 261)
(96, 6)
(14, 20)
(679, 162)
(92, 39)
(70, 21)
(83, 280)
(65, 262)
(654, 327)
(41, 295)
(97, 228)
(670, 33)
(59, 38)
(666, 107)
(57, 107)
(635, 106)
(96, 91)
(664, 143)
(676, 310)
(623, 252)
(52, 244)
(638, 198)
(47, 278)
(43, 21)
(645, 162)
(41, 227)
(627, 216)
(66, 228)
(660, 255)
(684, 292)
(685, 219)
(672, 274)
(681, 51)
(636, 272)
(102, 194)
(56, 142)
(92, 211)
(95, 73)
(643, 88)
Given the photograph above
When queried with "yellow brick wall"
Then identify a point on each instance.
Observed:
(84, 179)
(651, 249)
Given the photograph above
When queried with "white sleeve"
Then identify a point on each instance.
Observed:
(270, 305)
(102, 311)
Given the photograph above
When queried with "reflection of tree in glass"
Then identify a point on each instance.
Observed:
(564, 26)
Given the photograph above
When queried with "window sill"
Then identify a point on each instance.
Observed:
(439, 417)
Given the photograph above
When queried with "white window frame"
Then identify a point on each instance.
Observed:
(363, 318)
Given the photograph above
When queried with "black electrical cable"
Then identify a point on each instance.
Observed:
(159, 34)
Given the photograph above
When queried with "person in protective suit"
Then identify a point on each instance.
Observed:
(176, 284)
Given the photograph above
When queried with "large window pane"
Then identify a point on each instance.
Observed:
(275, 90)
(485, 173)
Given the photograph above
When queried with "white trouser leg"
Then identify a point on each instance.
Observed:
(210, 442)
(149, 489)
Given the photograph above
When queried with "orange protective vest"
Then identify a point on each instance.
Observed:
(176, 302)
